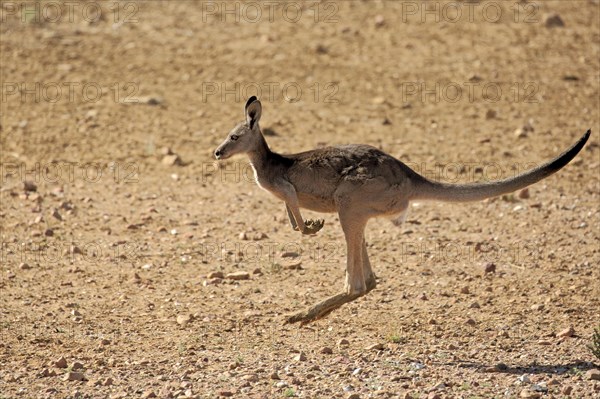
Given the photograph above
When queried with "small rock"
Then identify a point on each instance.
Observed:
(29, 186)
(326, 350)
(434, 395)
(290, 255)
(300, 357)
(49, 232)
(593, 374)
(490, 114)
(501, 367)
(151, 100)
(520, 133)
(74, 376)
(212, 281)
(375, 347)
(523, 379)
(61, 363)
(567, 390)
(353, 396)
(537, 307)
(250, 377)
(470, 322)
(225, 394)
(212, 275)
(524, 193)
(107, 381)
(238, 276)
(183, 320)
(529, 394)
(293, 266)
(76, 366)
(567, 332)
(489, 268)
(171, 160)
(379, 21)
(474, 305)
(274, 376)
(24, 266)
(243, 236)
(464, 290)
(554, 21)
(148, 394)
(57, 214)
(343, 342)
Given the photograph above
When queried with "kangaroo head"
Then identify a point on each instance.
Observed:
(246, 136)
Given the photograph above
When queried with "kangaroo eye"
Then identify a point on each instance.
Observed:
(234, 137)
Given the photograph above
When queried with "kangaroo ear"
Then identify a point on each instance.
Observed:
(250, 101)
(253, 111)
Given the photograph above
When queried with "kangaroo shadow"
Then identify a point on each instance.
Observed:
(552, 369)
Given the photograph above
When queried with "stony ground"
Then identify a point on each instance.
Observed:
(120, 235)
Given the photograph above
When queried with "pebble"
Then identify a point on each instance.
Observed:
(61, 363)
(520, 133)
(375, 347)
(56, 214)
(226, 394)
(470, 322)
(593, 374)
(353, 396)
(489, 268)
(326, 350)
(523, 379)
(537, 307)
(76, 366)
(300, 357)
(529, 394)
(274, 376)
(464, 290)
(567, 332)
(343, 342)
(148, 394)
(250, 377)
(212, 275)
(29, 186)
(238, 276)
(524, 193)
(290, 255)
(554, 21)
(24, 266)
(74, 376)
(183, 320)
(171, 160)
(567, 390)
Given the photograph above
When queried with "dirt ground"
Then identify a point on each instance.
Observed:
(109, 280)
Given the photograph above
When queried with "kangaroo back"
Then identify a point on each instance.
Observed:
(426, 189)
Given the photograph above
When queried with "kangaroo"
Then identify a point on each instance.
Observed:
(359, 182)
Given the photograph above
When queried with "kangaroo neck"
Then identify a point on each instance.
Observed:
(261, 154)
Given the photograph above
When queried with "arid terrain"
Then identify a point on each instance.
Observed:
(135, 266)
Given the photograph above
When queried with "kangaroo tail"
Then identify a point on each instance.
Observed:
(426, 189)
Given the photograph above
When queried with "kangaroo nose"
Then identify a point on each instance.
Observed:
(218, 154)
